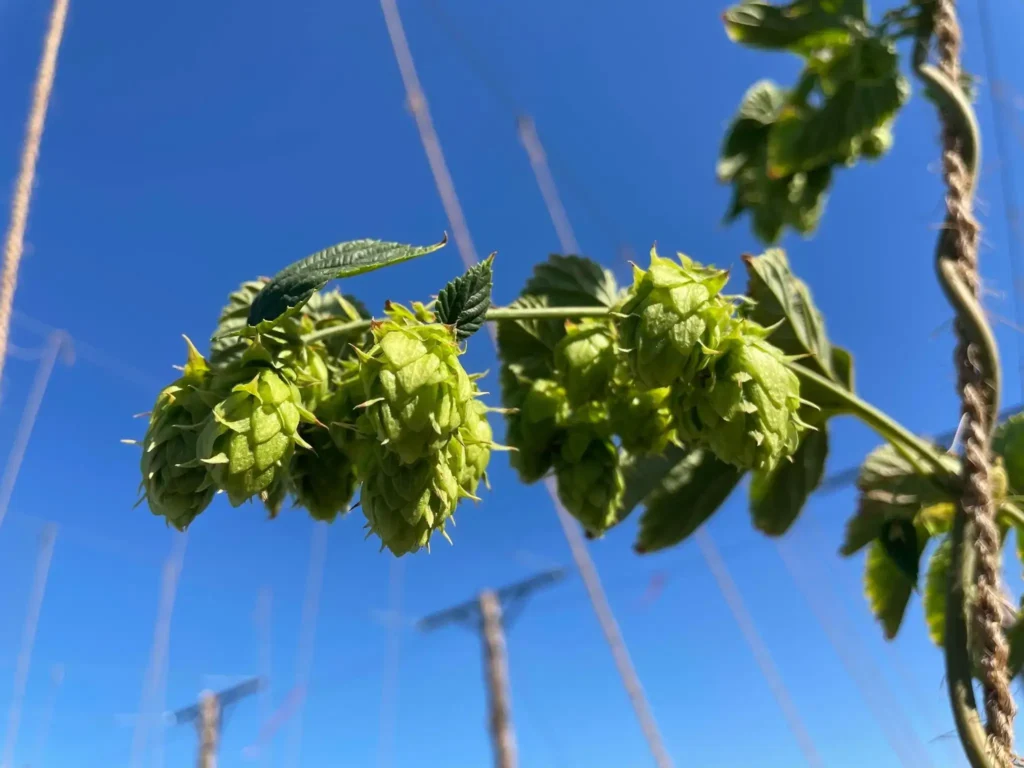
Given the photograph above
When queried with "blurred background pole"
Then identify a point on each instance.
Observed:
(496, 673)
(209, 729)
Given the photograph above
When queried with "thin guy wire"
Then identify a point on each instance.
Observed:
(431, 144)
(392, 667)
(14, 243)
(161, 642)
(734, 600)
(546, 182)
(57, 341)
(28, 641)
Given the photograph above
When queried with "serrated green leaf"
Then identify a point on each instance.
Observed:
(802, 26)
(294, 285)
(936, 588)
(571, 281)
(693, 490)
(777, 497)
(530, 344)
(887, 589)
(1008, 442)
(464, 302)
(901, 542)
(782, 298)
(892, 489)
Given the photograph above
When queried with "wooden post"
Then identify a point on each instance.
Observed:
(209, 729)
(496, 673)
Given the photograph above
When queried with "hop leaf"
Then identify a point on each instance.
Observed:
(464, 302)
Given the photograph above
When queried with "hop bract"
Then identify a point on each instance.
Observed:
(590, 481)
(585, 360)
(642, 420)
(535, 429)
(469, 451)
(248, 442)
(175, 486)
(746, 409)
(405, 503)
(323, 479)
(673, 317)
(415, 387)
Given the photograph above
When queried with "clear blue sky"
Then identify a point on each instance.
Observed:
(196, 144)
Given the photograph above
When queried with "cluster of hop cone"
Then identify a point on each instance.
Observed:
(391, 410)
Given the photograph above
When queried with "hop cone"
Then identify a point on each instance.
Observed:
(673, 317)
(470, 451)
(642, 420)
(746, 408)
(535, 429)
(590, 481)
(585, 360)
(324, 478)
(306, 368)
(250, 438)
(405, 503)
(175, 486)
(416, 389)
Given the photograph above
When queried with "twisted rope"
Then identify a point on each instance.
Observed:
(975, 533)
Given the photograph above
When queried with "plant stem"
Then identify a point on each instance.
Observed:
(494, 314)
(887, 427)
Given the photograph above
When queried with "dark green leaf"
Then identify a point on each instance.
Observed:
(1008, 442)
(802, 26)
(887, 588)
(842, 366)
(464, 302)
(530, 344)
(571, 281)
(777, 497)
(294, 285)
(645, 474)
(899, 539)
(781, 297)
(689, 495)
(891, 489)
(936, 588)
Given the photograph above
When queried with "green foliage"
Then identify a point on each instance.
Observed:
(294, 285)
(463, 303)
(888, 589)
(784, 145)
(936, 589)
(1008, 442)
(777, 496)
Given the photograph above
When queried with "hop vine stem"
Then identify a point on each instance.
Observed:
(883, 424)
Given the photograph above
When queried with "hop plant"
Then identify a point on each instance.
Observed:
(323, 479)
(175, 486)
(585, 360)
(642, 420)
(673, 319)
(405, 503)
(416, 389)
(535, 426)
(248, 440)
(305, 367)
(745, 408)
(589, 477)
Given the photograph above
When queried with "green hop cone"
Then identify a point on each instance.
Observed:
(175, 486)
(585, 360)
(469, 451)
(306, 368)
(416, 390)
(642, 420)
(535, 426)
(248, 442)
(590, 480)
(406, 503)
(673, 317)
(323, 479)
(745, 410)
